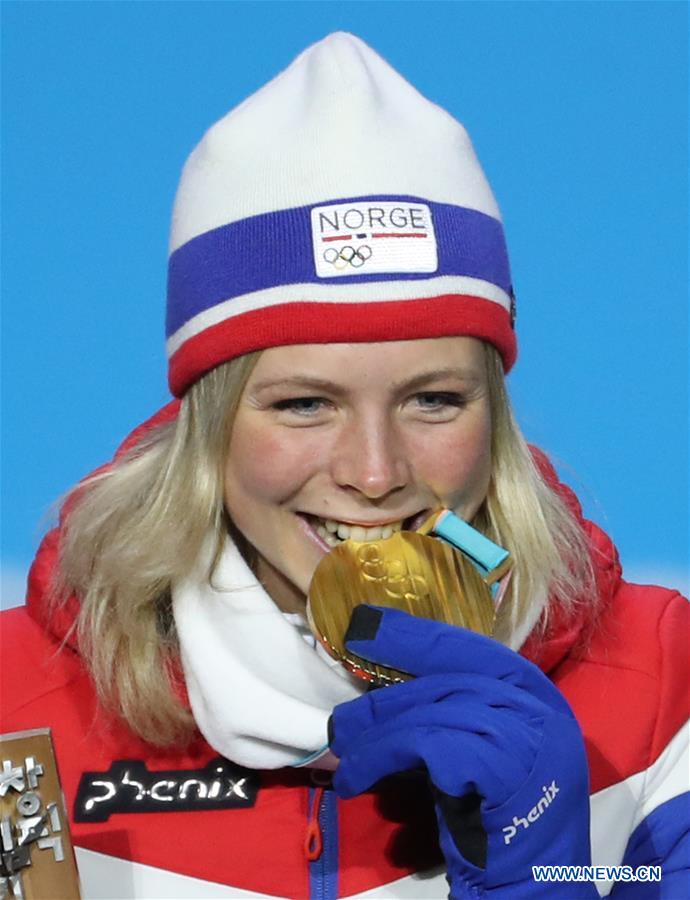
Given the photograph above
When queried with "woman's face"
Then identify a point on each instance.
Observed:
(330, 439)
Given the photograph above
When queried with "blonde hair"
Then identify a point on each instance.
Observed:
(521, 512)
(137, 528)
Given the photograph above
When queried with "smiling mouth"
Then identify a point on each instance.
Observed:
(334, 532)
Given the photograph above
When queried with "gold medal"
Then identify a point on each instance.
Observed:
(421, 575)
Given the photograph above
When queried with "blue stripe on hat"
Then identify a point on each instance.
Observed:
(275, 248)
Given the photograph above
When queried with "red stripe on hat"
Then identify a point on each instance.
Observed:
(334, 323)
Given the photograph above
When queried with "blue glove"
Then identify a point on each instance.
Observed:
(502, 749)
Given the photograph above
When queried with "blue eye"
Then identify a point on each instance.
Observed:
(301, 406)
(437, 401)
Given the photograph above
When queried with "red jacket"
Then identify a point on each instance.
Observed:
(625, 676)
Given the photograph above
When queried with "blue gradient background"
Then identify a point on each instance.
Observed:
(578, 112)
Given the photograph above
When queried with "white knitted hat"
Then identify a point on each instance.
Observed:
(334, 204)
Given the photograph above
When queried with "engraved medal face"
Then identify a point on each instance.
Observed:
(418, 574)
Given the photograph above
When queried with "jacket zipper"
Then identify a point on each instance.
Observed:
(321, 841)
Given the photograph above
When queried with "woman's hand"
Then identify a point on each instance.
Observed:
(502, 749)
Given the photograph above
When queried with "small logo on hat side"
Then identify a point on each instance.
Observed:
(373, 237)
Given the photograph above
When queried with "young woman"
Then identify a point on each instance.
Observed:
(340, 321)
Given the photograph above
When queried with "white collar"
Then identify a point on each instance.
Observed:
(260, 694)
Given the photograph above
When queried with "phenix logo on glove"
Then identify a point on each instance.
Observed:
(510, 831)
(490, 733)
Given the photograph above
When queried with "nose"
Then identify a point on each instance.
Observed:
(370, 458)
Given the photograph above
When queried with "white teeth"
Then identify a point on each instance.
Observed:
(332, 532)
(326, 536)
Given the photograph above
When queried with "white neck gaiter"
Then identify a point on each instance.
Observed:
(261, 695)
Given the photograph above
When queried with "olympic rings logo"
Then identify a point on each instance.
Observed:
(348, 256)
(393, 576)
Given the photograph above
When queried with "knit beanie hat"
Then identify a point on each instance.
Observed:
(336, 204)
